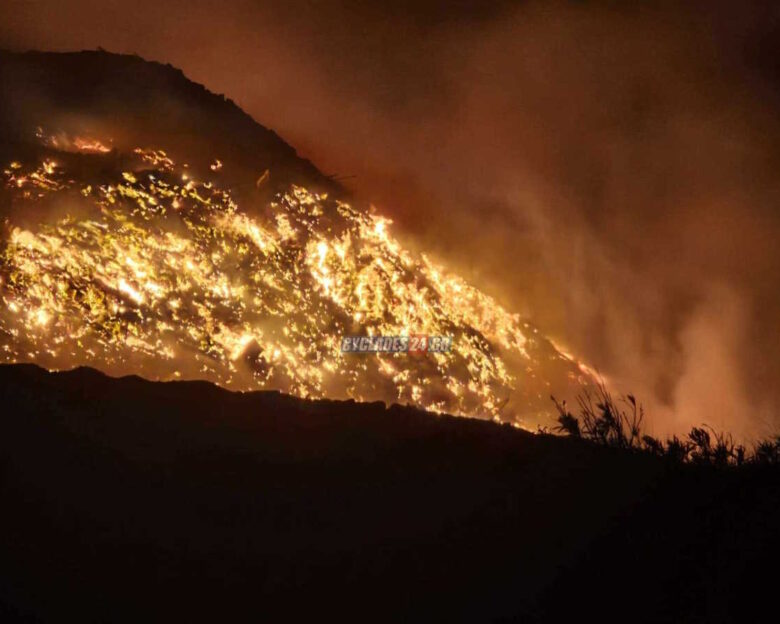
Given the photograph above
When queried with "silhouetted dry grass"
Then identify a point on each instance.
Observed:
(618, 424)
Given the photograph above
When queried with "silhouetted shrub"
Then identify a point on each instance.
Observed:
(567, 422)
(618, 424)
(602, 419)
(767, 452)
(653, 445)
(700, 449)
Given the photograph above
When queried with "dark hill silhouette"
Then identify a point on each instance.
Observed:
(128, 500)
(136, 103)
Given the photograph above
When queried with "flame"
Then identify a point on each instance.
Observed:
(90, 145)
(64, 142)
(165, 275)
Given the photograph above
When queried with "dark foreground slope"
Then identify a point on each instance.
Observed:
(125, 500)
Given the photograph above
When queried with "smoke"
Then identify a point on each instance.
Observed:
(609, 172)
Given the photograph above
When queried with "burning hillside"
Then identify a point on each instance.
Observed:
(126, 259)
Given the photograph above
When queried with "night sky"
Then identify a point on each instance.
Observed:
(609, 171)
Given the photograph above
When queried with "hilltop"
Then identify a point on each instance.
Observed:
(140, 103)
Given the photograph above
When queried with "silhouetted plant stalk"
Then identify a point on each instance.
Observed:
(618, 424)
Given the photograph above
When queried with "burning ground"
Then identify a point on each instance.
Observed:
(133, 260)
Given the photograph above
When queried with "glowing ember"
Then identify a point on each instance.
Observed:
(163, 274)
(63, 142)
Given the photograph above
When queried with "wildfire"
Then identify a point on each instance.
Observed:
(165, 275)
(64, 142)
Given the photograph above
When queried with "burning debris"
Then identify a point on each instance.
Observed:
(63, 142)
(153, 271)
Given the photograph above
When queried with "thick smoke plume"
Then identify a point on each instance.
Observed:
(610, 172)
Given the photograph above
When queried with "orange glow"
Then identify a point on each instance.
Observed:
(165, 275)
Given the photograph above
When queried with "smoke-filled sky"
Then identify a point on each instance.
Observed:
(607, 169)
